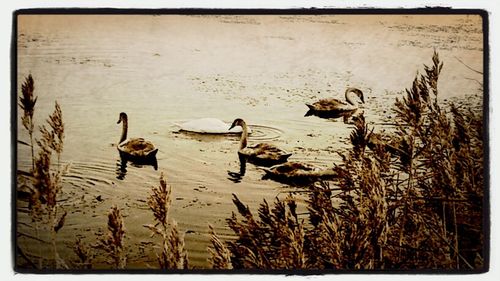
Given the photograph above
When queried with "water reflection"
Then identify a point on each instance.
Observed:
(121, 169)
(236, 177)
(121, 165)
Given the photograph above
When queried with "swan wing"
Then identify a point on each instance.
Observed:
(137, 147)
(297, 169)
(292, 168)
(264, 154)
(331, 105)
(298, 173)
(269, 151)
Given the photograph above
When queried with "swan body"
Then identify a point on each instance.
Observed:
(298, 173)
(378, 141)
(209, 126)
(134, 148)
(335, 108)
(263, 154)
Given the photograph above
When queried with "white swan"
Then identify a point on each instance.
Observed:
(261, 154)
(208, 126)
(334, 107)
(134, 148)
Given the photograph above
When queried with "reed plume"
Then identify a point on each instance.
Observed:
(46, 181)
(84, 253)
(174, 254)
(55, 137)
(274, 241)
(27, 102)
(220, 256)
(113, 243)
(160, 201)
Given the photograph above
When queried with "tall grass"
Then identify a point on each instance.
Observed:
(46, 183)
(173, 253)
(408, 199)
(220, 256)
(113, 243)
(27, 102)
(84, 253)
(274, 241)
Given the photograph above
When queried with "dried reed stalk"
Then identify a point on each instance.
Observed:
(113, 243)
(174, 254)
(27, 102)
(177, 257)
(84, 253)
(274, 241)
(46, 183)
(413, 201)
(220, 256)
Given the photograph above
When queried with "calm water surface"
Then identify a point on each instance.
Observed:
(162, 70)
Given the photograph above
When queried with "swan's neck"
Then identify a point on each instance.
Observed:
(124, 130)
(244, 136)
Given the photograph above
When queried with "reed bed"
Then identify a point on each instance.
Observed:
(173, 253)
(84, 253)
(44, 180)
(404, 200)
(27, 102)
(113, 243)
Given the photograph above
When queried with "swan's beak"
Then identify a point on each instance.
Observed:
(232, 126)
(119, 120)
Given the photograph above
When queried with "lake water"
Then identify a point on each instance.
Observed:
(163, 70)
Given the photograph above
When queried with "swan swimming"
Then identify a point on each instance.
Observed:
(333, 108)
(261, 154)
(298, 173)
(134, 148)
(209, 126)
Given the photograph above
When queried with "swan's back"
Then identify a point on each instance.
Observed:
(265, 154)
(298, 173)
(292, 168)
(138, 147)
(331, 105)
(353, 96)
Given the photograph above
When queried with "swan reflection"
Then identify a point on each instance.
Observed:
(121, 165)
(236, 177)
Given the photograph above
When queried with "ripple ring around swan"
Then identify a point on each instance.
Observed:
(259, 133)
(264, 133)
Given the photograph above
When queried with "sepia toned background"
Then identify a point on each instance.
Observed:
(166, 69)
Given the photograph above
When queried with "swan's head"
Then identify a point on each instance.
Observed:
(237, 122)
(123, 117)
(354, 96)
